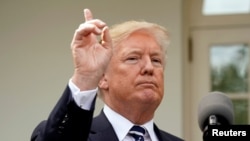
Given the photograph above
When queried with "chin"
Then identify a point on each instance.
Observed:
(149, 97)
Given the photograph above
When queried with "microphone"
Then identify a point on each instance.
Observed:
(216, 108)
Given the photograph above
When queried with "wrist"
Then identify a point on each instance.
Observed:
(85, 82)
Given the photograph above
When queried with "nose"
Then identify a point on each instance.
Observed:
(147, 67)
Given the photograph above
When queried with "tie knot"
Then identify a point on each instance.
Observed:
(137, 132)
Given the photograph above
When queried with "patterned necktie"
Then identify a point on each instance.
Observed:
(137, 133)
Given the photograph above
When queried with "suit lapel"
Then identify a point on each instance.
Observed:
(102, 130)
(158, 133)
(164, 136)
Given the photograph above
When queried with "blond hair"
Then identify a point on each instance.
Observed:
(120, 32)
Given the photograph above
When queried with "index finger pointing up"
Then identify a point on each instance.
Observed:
(88, 15)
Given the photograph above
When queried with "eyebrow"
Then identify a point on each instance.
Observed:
(139, 50)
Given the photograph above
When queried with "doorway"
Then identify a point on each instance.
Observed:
(217, 49)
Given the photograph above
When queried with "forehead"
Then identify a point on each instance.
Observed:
(139, 40)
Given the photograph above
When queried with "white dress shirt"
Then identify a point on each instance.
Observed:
(120, 124)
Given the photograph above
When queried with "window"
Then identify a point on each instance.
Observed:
(229, 73)
(225, 7)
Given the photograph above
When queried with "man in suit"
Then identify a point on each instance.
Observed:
(126, 69)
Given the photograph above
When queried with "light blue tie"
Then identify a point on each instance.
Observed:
(137, 133)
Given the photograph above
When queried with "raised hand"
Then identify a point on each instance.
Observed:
(90, 56)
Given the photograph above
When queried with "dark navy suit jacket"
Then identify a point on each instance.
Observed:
(68, 122)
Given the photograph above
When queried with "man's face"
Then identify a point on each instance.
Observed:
(135, 75)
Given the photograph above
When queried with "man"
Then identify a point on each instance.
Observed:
(126, 68)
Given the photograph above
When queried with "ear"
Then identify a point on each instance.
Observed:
(103, 83)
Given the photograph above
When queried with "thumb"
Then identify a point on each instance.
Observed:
(106, 40)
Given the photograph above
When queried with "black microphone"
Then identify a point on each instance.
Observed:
(216, 108)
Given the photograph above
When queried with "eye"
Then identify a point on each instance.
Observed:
(157, 61)
(132, 59)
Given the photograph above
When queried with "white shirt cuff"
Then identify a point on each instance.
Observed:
(83, 99)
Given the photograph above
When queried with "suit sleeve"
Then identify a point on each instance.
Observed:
(66, 122)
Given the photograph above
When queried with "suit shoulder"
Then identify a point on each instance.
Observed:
(169, 137)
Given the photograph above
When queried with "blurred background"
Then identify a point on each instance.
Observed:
(209, 51)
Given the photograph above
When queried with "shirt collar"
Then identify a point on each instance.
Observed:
(122, 125)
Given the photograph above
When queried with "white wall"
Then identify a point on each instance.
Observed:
(36, 64)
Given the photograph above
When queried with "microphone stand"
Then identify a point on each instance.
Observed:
(212, 120)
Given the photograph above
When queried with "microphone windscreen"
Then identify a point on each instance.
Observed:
(215, 103)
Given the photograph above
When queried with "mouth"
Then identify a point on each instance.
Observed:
(147, 84)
